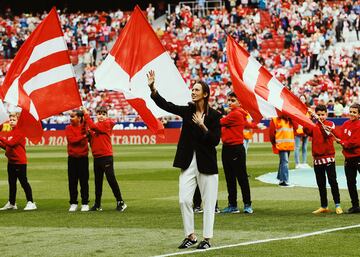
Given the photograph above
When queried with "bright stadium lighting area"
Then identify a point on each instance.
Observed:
(152, 226)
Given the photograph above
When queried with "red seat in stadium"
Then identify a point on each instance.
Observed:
(280, 43)
(272, 44)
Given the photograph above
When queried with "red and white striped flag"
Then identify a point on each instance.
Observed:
(41, 79)
(258, 91)
(137, 51)
(3, 113)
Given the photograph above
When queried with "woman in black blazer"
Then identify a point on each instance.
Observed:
(195, 156)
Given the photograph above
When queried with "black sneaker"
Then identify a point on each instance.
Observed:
(284, 184)
(198, 210)
(187, 242)
(121, 206)
(353, 210)
(95, 208)
(204, 244)
(217, 210)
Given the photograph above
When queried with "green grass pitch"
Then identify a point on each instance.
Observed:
(151, 225)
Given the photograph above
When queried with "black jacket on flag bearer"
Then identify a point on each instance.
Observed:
(41, 79)
(136, 51)
(259, 92)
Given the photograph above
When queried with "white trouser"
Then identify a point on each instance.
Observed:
(208, 185)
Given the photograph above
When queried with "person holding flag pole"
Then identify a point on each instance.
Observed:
(78, 161)
(323, 152)
(14, 145)
(101, 148)
(196, 157)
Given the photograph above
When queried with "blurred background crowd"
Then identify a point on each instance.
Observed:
(312, 47)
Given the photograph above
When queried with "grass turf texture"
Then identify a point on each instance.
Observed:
(151, 225)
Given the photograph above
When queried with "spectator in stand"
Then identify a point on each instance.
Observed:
(100, 142)
(196, 40)
(78, 161)
(357, 26)
(104, 52)
(349, 139)
(322, 60)
(14, 145)
(150, 10)
(323, 152)
(281, 134)
(330, 108)
(113, 113)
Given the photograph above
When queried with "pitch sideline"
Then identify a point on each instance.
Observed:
(263, 241)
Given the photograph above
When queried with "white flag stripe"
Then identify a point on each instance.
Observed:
(33, 111)
(275, 89)
(40, 51)
(45, 49)
(3, 113)
(265, 108)
(49, 77)
(251, 73)
(168, 82)
(12, 95)
(109, 75)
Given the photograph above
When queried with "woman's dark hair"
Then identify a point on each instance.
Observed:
(206, 89)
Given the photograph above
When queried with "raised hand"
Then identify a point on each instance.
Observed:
(84, 110)
(151, 80)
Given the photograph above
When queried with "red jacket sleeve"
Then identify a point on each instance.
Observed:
(231, 119)
(308, 131)
(249, 125)
(102, 127)
(352, 142)
(71, 136)
(15, 140)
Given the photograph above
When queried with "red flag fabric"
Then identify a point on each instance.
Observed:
(41, 79)
(137, 51)
(258, 91)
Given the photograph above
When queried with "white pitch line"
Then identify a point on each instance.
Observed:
(263, 241)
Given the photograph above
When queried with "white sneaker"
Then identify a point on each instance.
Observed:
(305, 165)
(8, 206)
(85, 207)
(73, 207)
(298, 166)
(30, 206)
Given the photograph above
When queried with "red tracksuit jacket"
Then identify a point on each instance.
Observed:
(77, 145)
(14, 145)
(100, 137)
(323, 150)
(349, 133)
(232, 127)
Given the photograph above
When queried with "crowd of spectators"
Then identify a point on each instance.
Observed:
(287, 37)
(304, 33)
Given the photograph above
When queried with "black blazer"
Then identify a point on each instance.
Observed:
(192, 138)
